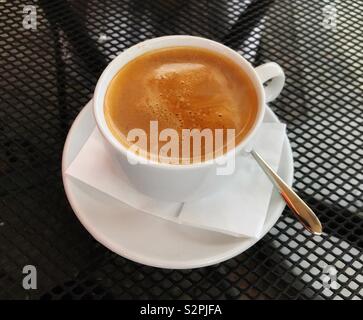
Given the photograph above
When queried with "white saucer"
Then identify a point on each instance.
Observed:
(145, 238)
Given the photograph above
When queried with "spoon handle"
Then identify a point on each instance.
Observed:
(301, 210)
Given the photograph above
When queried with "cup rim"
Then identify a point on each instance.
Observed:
(164, 42)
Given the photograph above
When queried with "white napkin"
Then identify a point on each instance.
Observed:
(238, 208)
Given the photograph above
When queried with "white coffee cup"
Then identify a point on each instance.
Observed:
(182, 182)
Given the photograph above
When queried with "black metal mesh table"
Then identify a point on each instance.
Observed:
(48, 74)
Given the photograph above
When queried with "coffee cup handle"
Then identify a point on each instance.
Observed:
(271, 71)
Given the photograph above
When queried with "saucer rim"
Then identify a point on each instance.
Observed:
(124, 252)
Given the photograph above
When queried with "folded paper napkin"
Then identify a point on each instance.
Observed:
(237, 208)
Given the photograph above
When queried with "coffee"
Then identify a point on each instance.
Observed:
(181, 88)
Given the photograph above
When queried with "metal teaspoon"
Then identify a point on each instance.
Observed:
(300, 209)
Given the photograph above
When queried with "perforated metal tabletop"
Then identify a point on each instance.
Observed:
(48, 74)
